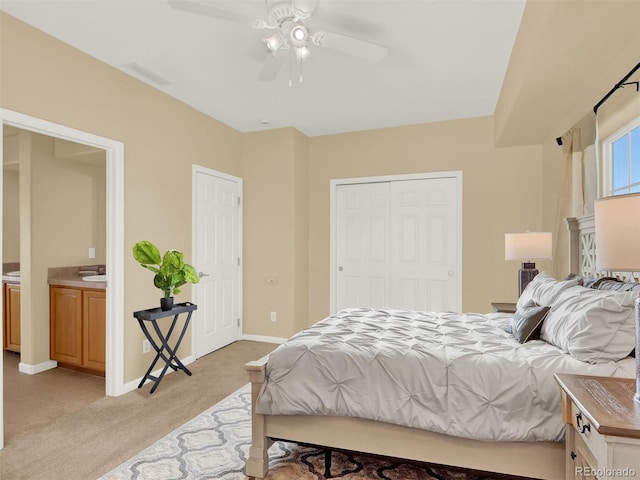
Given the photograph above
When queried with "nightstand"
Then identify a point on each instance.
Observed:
(504, 307)
(603, 427)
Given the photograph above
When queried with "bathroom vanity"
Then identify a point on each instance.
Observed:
(77, 316)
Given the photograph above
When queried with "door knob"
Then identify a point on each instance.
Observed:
(202, 274)
(340, 269)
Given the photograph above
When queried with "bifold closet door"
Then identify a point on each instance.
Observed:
(423, 239)
(362, 245)
(396, 245)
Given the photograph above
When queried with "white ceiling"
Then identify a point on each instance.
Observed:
(447, 59)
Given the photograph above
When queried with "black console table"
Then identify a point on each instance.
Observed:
(161, 343)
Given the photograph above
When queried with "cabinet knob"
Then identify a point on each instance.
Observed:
(573, 455)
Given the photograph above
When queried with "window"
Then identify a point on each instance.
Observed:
(621, 155)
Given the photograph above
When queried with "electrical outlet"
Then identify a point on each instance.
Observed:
(273, 316)
(146, 346)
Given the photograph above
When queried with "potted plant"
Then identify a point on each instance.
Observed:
(170, 270)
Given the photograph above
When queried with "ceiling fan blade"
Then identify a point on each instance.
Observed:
(207, 9)
(350, 45)
(270, 68)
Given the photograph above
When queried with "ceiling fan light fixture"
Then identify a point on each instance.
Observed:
(302, 53)
(274, 42)
(299, 35)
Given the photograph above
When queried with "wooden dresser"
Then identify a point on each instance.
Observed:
(603, 427)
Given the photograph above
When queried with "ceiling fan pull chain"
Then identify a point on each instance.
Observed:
(290, 73)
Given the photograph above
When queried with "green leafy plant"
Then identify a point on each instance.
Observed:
(170, 270)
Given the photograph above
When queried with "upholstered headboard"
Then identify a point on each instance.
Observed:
(582, 251)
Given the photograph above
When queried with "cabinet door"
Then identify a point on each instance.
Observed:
(12, 317)
(66, 325)
(94, 329)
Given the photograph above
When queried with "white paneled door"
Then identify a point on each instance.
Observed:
(362, 220)
(217, 232)
(397, 244)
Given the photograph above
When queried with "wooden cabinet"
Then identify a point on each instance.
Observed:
(11, 316)
(603, 427)
(77, 321)
(94, 309)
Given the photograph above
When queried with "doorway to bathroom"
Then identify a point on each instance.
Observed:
(31, 362)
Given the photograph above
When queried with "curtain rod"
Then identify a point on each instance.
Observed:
(620, 84)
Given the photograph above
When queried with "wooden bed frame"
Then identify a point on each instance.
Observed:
(542, 460)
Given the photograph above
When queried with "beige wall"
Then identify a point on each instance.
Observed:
(567, 55)
(163, 137)
(11, 218)
(501, 193)
(275, 231)
(67, 216)
(301, 230)
(11, 197)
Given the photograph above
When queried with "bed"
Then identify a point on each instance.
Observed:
(456, 412)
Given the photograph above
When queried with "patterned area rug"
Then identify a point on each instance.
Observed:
(215, 444)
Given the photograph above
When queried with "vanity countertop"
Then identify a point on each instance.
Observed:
(75, 281)
(73, 277)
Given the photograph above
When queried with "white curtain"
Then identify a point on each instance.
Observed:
(571, 198)
(572, 150)
(589, 178)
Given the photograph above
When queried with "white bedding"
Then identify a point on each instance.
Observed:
(458, 374)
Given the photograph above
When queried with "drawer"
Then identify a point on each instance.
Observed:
(583, 461)
(586, 435)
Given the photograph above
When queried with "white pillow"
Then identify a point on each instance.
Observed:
(593, 326)
(543, 290)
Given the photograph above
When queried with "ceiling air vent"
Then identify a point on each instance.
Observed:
(149, 74)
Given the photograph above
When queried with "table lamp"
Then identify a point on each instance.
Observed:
(528, 246)
(617, 221)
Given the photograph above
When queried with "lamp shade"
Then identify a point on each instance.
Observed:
(617, 222)
(527, 246)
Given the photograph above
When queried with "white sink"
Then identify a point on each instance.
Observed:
(13, 274)
(95, 278)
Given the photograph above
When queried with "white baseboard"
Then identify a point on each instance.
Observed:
(263, 338)
(128, 387)
(40, 367)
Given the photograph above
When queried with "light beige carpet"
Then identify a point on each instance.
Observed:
(87, 443)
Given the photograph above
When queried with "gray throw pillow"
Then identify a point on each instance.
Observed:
(527, 322)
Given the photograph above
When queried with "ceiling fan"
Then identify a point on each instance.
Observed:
(291, 36)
